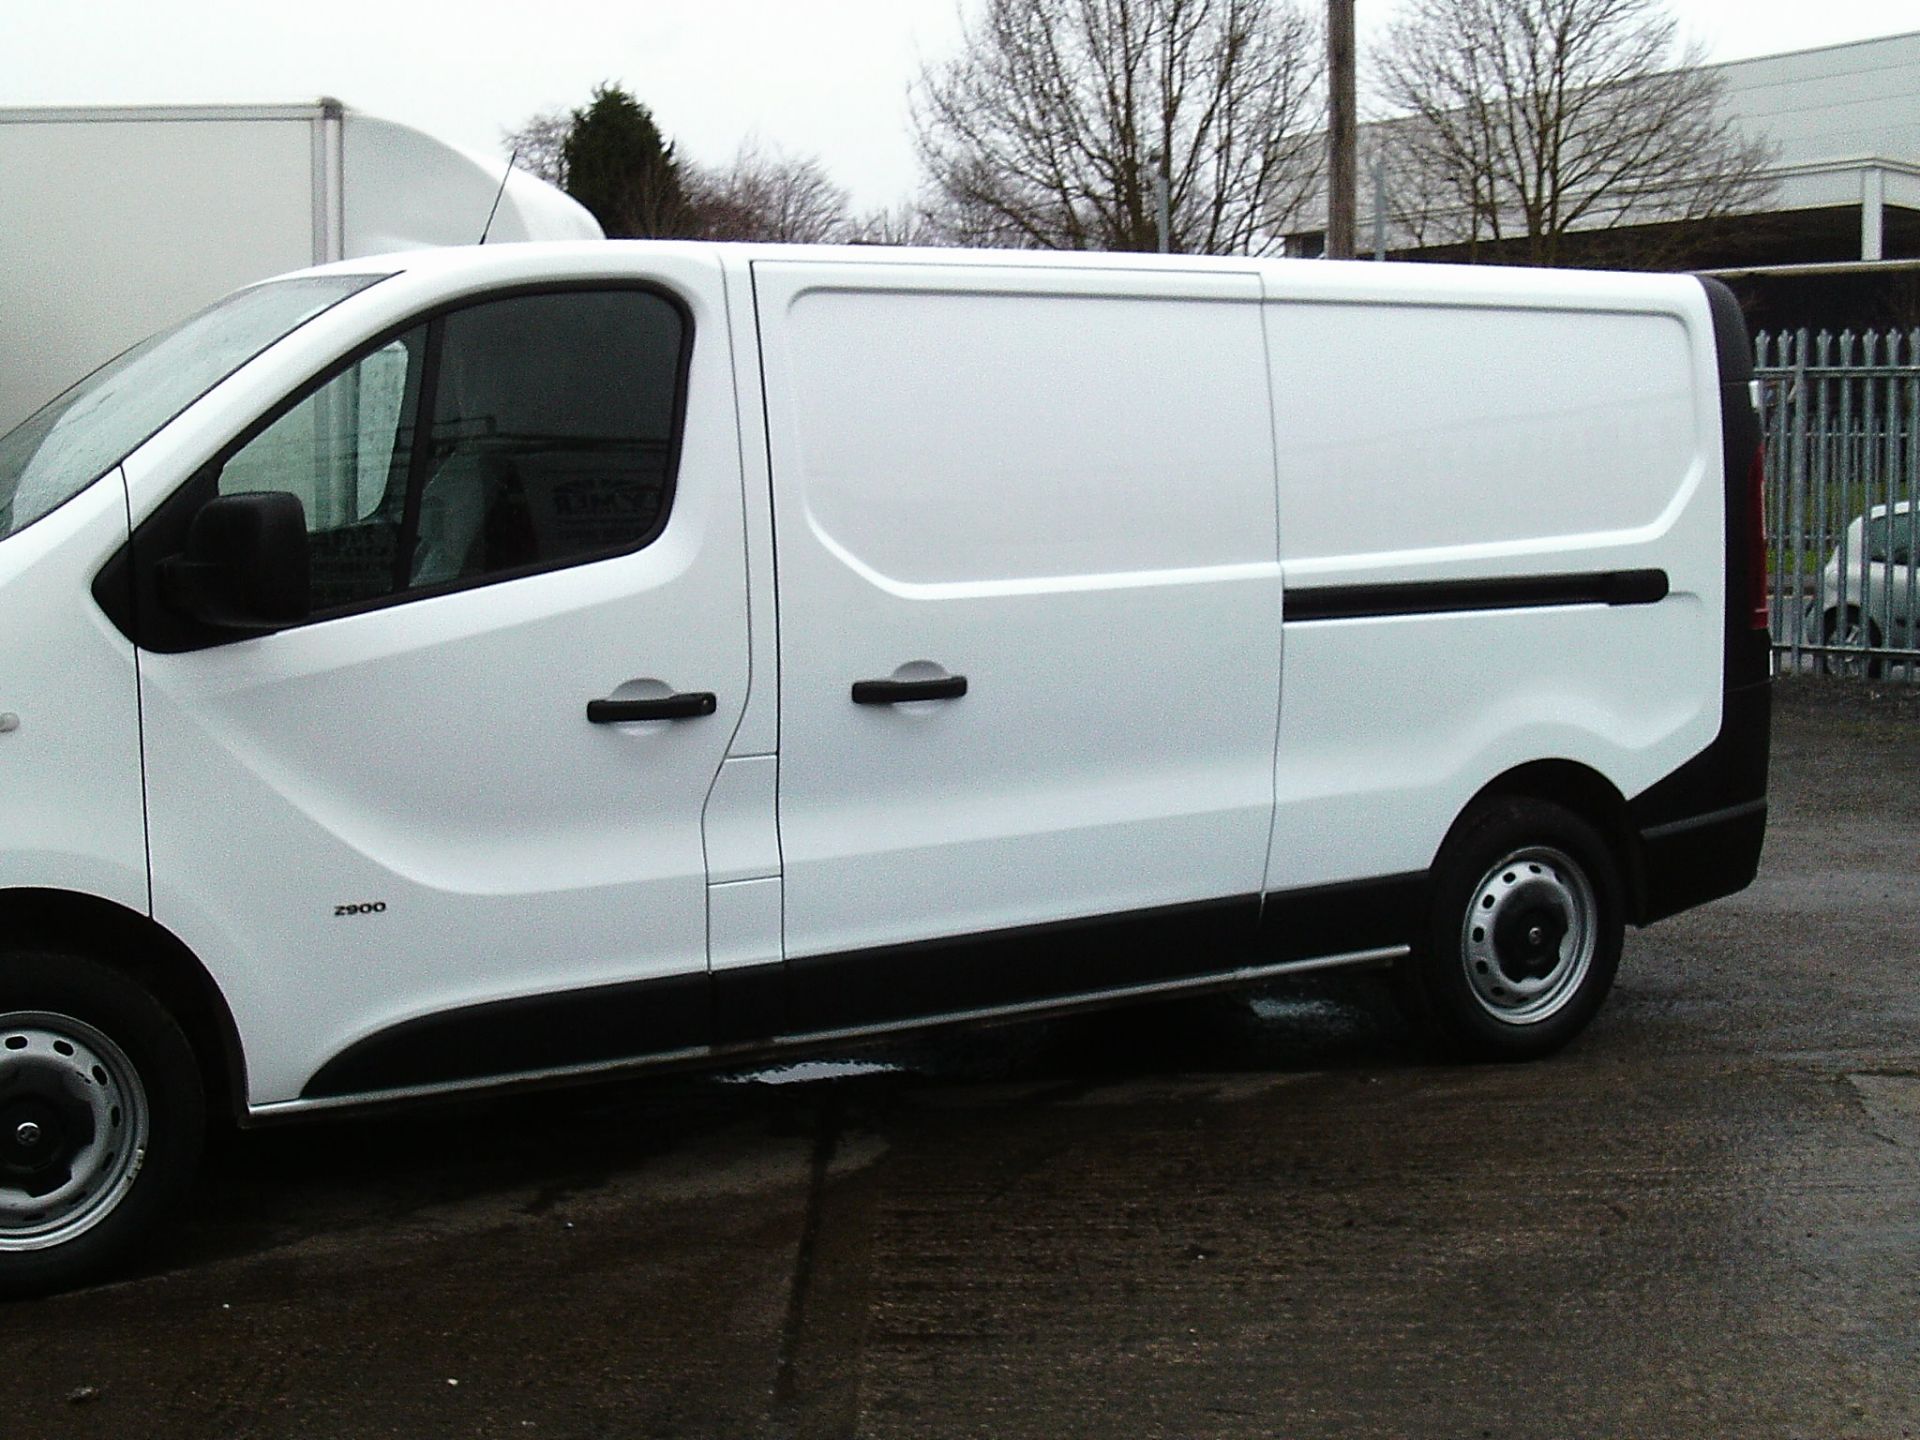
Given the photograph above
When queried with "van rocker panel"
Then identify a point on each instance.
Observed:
(1031, 968)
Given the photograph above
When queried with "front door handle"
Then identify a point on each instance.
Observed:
(687, 706)
(899, 692)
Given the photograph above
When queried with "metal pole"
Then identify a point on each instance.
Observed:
(1162, 201)
(1379, 206)
(1340, 130)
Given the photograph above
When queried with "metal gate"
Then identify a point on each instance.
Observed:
(1841, 419)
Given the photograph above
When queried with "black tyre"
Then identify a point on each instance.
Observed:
(1524, 936)
(102, 1117)
(1849, 628)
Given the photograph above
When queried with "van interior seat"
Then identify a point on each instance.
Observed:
(472, 518)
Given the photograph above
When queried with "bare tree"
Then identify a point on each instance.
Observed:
(539, 145)
(1058, 120)
(1528, 121)
(766, 195)
(907, 223)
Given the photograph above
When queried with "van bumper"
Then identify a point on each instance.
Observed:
(1700, 858)
(1702, 828)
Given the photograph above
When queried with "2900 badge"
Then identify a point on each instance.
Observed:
(371, 907)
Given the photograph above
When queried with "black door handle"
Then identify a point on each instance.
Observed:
(899, 692)
(688, 706)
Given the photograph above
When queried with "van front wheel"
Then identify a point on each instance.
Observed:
(1524, 935)
(101, 1119)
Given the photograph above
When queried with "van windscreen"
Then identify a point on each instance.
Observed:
(71, 441)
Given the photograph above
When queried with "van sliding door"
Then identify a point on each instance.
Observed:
(1029, 626)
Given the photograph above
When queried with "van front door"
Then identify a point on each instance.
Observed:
(449, 828)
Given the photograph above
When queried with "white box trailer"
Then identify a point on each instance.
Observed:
(116, 221)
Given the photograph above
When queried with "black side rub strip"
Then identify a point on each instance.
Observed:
(1441, 597)
(501, 1038)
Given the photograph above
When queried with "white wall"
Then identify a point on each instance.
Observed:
(1840, 102)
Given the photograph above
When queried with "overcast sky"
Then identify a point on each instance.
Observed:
(826, 77)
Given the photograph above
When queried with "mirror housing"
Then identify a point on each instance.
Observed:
(247, 565)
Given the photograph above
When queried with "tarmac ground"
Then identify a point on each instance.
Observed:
(1264, 1215)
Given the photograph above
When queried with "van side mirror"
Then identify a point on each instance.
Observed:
(247, 565)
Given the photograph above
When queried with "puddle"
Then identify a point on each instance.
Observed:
(1310, 1009)
(806, 1072)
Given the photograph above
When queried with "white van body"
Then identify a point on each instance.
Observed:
(121, 219)
(1234, 590)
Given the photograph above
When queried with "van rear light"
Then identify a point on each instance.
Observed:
(1758, 615)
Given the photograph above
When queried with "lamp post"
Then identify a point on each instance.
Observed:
(1340, 130)
(1162, 201)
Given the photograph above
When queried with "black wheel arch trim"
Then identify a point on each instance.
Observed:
(136, 945)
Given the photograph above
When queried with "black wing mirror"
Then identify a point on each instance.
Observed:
(246, 566)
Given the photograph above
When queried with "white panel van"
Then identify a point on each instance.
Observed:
(520, 664)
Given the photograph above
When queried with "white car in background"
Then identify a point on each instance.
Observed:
(1869, 592)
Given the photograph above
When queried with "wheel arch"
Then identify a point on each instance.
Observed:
(1588, 794)
(150, 955)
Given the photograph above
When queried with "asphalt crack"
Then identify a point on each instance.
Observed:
(786, 1392)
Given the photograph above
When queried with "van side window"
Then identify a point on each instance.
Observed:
(1877, 538)
(345, 451)
(552, 433)
(549, 425)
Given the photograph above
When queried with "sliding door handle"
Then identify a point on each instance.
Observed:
(688, 706)
(900, 692)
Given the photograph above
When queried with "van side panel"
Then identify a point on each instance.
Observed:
(1058, 485)
(1501, 530)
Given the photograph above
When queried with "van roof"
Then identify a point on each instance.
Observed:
(1351, 280)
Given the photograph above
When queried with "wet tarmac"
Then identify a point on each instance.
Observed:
(1240, 1217)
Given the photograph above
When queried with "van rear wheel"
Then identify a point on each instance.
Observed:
(1524, 935)
(102, 1117)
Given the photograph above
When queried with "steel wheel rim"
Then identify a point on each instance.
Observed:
(1529, 936)
(74, 1126)
(1852, 635)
